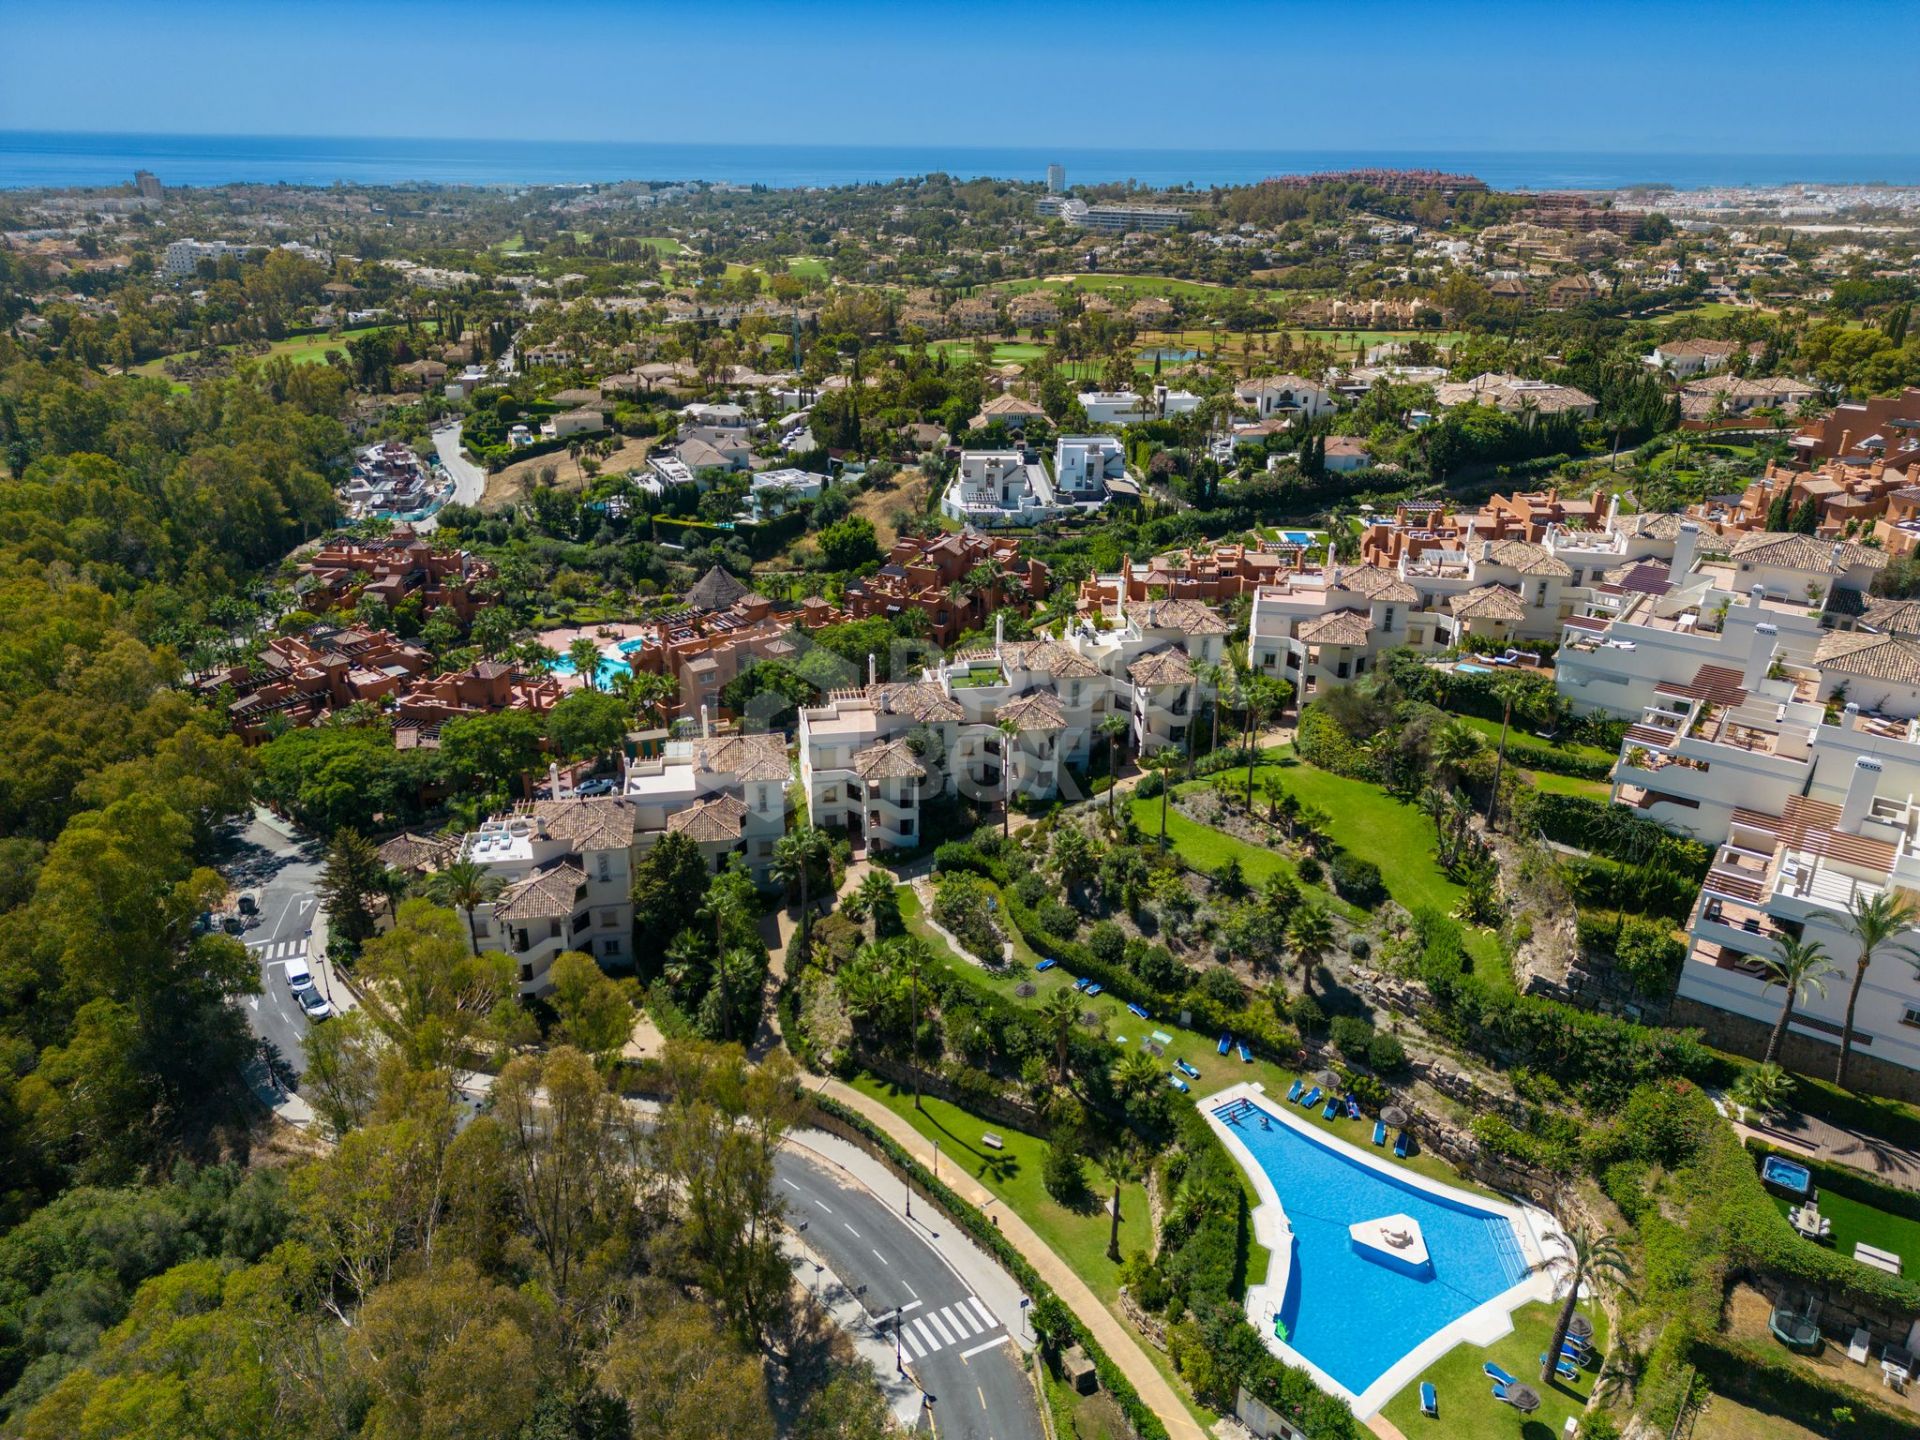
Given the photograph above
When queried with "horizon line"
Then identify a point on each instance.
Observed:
(1460, 149)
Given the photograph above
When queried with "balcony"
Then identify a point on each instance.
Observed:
(1738, 875)
(1729, 922)
(1726, 957)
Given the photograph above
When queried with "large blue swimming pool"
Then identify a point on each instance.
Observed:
(1355, 1317)
(610, 670)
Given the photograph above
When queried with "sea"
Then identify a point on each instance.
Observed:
(32, 159)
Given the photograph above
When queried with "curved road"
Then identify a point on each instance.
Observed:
(962, 1352)
(469, 480)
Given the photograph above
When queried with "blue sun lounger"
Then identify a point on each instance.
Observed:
(1187, 1070)
(1299, 1087)
(1139, 1011)
(1566, 1369)
(1095, 989)
(1379, 1132)
(1400, 1146)
(1177, 1083)
(1429, 1400)
(1081, 984)
(1353, 1108)
(1333, 1108)
(1225, 1040)
(1046, 964)
(1497, 1375)
(1246, 1055)
(1310, 1099)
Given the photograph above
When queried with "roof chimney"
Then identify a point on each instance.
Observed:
(1850, 717)
(1755, 595)
(999, 633)
(1486, 550)
(1760, 657)
(1684, 547)
(1860, 787)
(706, 723)
(1613, 509)
(553, 779)
(873, 669)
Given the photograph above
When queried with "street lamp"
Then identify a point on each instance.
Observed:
(936, 1159)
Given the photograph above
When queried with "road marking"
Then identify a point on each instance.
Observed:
(985, 1314)
(987, 1345)
(788, 1183)
(905, 1336)
(927, 1336)
(824, 1206)
(914, 1306)
(911, 1291)
(963, 1322)
(983, 1397)
(933, 1319)
(851, 1231)
(878, 1256)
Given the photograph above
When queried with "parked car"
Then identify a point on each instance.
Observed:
(314, 1003)
(590, 788)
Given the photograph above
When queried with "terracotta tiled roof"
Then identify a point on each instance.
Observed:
(921, 699)
(1489, 602)
(750, 757)
(1050, 657)
(1189, 617)
(1528, 558)
(605, 823)
(1162, 667)
(1891, 617)
(1378, 583)
(718, 819)
(416, 852)
(1036, 710)
(1659, 525)
(544, 896)
(1803, 552)
(893, 760)
(1878, 657)
(1337, 627)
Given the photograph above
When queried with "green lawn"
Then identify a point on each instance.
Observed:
(1468, 1410)
(807, 267)
(1579, 749)
(1201, 847)
(1568, 785)
(301, 349)
(1854, 1222)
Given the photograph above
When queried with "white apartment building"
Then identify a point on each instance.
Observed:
(1286, 397)
(568, 872)
(867, 757)
(1125, 407)
(727, 793)
(997, 488)
(1083, 465)
(182, 258)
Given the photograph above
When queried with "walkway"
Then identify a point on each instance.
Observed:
(1114, 1338)
(1884, 1161)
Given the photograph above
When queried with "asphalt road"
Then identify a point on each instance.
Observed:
(949, 1341)
(285, 874)
(469, 480)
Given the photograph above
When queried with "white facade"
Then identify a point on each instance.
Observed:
(182, 258)
(999, 488)
(1083, 464)
(1285, 397)
(1125, 407)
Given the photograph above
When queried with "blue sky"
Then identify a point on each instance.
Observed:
(1709, 75)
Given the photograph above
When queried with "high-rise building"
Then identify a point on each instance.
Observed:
(149, 186)
(1056, 179)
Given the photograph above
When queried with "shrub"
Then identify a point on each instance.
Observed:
(1064, 1175)
(1061, 920)
(1649, 956)
(957, 855)
(1151, 784)
(1156, 967)
(1310, 869)
(1222, 987)
(1321, 741)
(960, 905)
(1386, 1054)
(1305, 1012)
(1358, 946)
(1108, 941)
(1357, 880)
(1351, 1036)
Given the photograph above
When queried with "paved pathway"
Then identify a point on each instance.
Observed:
(1885, 1161)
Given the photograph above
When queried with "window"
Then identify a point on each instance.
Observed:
(906, 827)
(1179, 734)
(480, 926)
(526, 974)
(609, 949)
(609, 919)
(829, 795)
(1343, 670)
(1386, 623)
(1912, 1017)
(1540, 597)
(1577, 575)
(1073, 697)
(553, 929)
(606, 865)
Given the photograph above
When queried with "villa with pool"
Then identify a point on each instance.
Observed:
(1376, 1271)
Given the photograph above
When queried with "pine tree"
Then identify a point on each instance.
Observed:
(348, 884)
(1806, 519)
(1777, 512)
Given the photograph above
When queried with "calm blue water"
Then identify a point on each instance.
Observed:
(1352, 1317)
(610, 670)
(55, 158)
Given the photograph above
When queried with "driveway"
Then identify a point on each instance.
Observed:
(469, 480)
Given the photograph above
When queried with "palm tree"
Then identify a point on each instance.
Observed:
(874, 894)
(1801, 968)
(1873, 920)
(1121, 1164)
(1585, 1254)
(1136, 1074)
(467, 884)
(1059, 1013)
(1310, 932)
(1433, 804)
(795, 855)
(1010, 732)
(648, 693)
(1456, 745)
(1264, 699)
(1162, 763)
(1113, 727)
(585, 658)
(1214, 677)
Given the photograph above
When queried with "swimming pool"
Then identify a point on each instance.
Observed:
(1474, 669)
(1297, 537)
(610, 669)
(1363, 1319)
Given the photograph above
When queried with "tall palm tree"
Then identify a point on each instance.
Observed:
(1010, 734)
(1162, 763)
(1214, 678)
(1137, 1074)
(648, 693)
(467, 884)
(585, 657)
(1873, 920)
(1059, 1013)
(874, 894)
(1801, 968)
(1113, 727)
(1121, 1163)
(1310, 933)
(795, 855)
(1456, 745)
(1584, 1255)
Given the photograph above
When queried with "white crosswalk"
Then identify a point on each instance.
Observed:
(935, 1329)
(274, 950)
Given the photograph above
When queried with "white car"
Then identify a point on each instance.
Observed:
(300, 982)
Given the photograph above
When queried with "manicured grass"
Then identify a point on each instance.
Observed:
(1467, 1406)
(807, 267)
(1005, 352)
(1579, 749)
(301, 349)
(1013, 1175)
(1727, 1419)
(1569, 785)
(1855, 1223)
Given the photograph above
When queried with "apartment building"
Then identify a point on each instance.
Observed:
(998, 488)
(1888, 426)
(1085, 467)
(1224, 571)
(938, 576)
(1126, 407)
(1284, 397)
(567, 870)
(403, 566)
(869, 756)
(1518, 396)
(725, 792)
(182, 258)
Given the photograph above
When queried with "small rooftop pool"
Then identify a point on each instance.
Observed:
(1376, 1270)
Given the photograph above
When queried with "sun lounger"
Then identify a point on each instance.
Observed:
(1191, 1072)
(1379, 1132)
(993, 1141)
(1139, 1011)
(1859, 1346)
(1353, 1108)
(1082, 983)
(1566, 1369)
(1497, 1375)
(1400, 1146)
(1310, 1099)
(1095, 989)
(1429, 1400)
(1225, 1041)
(1879, 1259)
(1299, 1088)
(1333, 1108)
(1178, 1083)
(1046, 965)
(1246, 1055)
